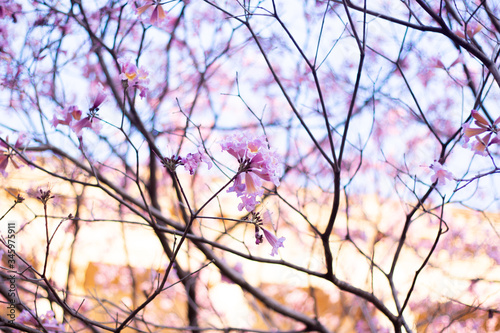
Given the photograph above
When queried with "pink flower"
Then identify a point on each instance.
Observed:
(133, 76)
(99, 98)
(479, 146)
(157, 14)
(248, 202)
(440, 174)
(191, 161)
(48, 321)
(238, 268)
(69, 114)
(7, 153)
(26, 318)
(483, 126)
(274, 241)
(260, 219)
(128, 69)
(87, 122)
(72, 117)
(257, 164)
(470, 132)
(472, 29)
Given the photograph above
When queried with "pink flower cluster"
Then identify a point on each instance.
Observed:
(491, 131)
(257, 164)
(191, 161)
(132, 76)
(48, 321)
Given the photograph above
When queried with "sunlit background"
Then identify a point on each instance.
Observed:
(219, 68)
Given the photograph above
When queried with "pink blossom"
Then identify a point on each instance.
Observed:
(440, 174)
(9, 8)
(257, 164)
(72, 117)
(470, 132)
(26, 318)
(248, 202)
(157, 14)
(479, 146)
(48, 321)
(260, 232)
(191, 161)
(99, 98)
(471, 29)
(128, 69)
(69, 114)
(491, 131)
(274, 241)
(479, 121)
(7, 153)
(133, 76)
(87, 122)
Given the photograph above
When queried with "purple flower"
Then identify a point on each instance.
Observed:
(26, 317)
(157, 14)
(491, 131)
(99, 99)
(274, 241)
(248, 202)
(133, 76)
(48, 321)
(440, 173)
(72, 116)
(69, 114)
(260, 219)
(257, 164)
(81, 124)
(8, 154)
(191, 161)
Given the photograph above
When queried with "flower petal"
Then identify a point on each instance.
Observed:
(480, 119)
